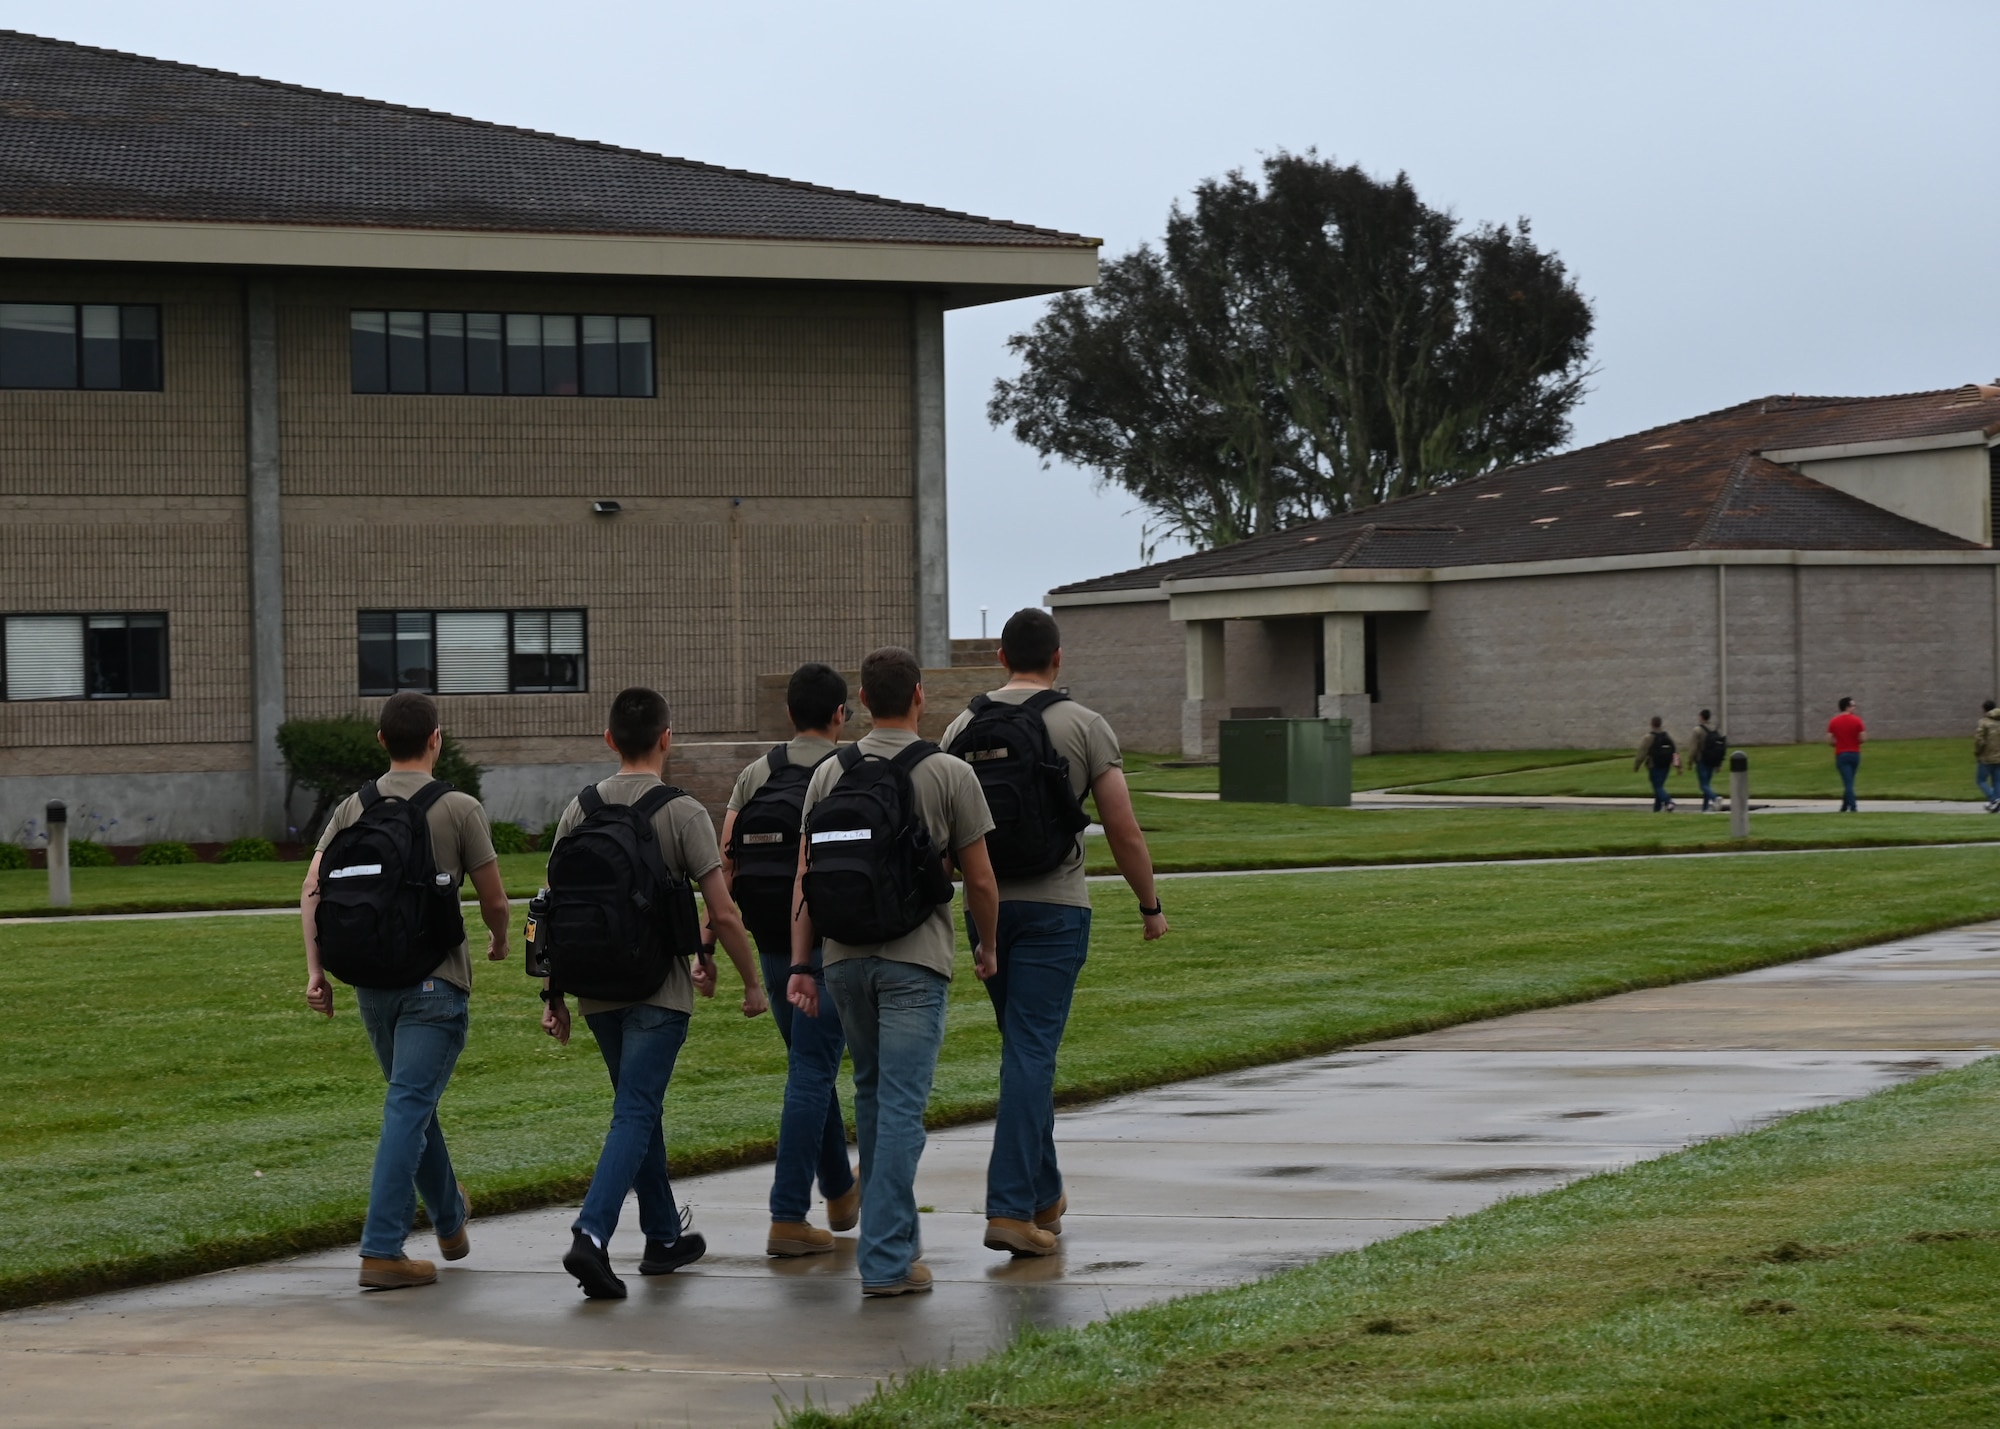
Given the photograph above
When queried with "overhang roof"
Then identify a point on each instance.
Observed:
(1696, 485)
(92, 136)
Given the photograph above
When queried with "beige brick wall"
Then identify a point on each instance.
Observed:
(1129, 663)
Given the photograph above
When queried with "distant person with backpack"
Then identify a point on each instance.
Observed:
(1708, 747)
(1986, 755)
(619, 931)
(380, 912)
(1845, 732)
(1037, 753)
(882, 819)
(760, 855)
(1660, 758)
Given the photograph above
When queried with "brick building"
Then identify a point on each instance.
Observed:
(307, 398)
(1760, 561)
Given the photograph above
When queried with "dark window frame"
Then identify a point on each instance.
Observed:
(376, 374)
(128, 358)
(83, 619)
(514, 686)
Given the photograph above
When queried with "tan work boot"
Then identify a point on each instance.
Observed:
(1049, 1218)
(458, 1245)
(916, 1282)
(380, 1274)
(793, 1238)
(843, 1213)
(1018, 1237)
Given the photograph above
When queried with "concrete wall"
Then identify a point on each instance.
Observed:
(1129, 663)
(1950, 489)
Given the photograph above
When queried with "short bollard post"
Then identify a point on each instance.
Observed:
(1739, 795)
(58, 815)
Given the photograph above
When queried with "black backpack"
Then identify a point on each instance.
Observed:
(1714, 747)
(386, 916)
(764, 845)
(616, 918)
(872, 873)
(1662, 752)
(1036, 815)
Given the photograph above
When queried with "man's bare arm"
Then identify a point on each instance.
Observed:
(728, 836)
(1128, 846)
(802, 991)
(735, 940)
(319, 992)
(493, 909)
(982, 905)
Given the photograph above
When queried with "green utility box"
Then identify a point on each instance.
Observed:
(1287, 761)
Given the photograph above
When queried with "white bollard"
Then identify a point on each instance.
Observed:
(1739, 795)
(58, 816)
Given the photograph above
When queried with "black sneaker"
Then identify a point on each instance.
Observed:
(592, 1268)
(666, 1259)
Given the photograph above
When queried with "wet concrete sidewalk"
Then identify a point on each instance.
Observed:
(1186, 1188)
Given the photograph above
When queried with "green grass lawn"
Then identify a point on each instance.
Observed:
(149, 1070)
(1836, 1269)
(193, 887)
(1890, 769)
(1372, 771)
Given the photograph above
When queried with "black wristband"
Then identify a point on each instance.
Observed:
(1152, 912)
(803, 970)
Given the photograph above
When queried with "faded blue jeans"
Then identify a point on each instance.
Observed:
(1849, 765)
(1704, 775)
(1041, 952)
(1988, 776)
(812, 1137)
(1658, 774)
(639, 1044)
(417, 1033)
(894, 1016)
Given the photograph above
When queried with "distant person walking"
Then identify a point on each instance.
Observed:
(1660, 758)
(1845, 732)
(1986, 755)
(1707, 748)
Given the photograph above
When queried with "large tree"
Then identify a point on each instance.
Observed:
(1317, 343)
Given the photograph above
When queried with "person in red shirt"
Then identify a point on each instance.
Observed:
(1844, 732)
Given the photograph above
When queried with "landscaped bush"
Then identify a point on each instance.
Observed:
(251, 850)
(13, 856)
(509, 837)
(166, 852)
(334, 757)
(85, 854)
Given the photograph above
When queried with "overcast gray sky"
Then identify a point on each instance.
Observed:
(1757, 197)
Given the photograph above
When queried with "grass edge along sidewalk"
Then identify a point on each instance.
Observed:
(1835, 1267)
(137, 1168)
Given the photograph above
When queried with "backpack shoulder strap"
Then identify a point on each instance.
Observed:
(1042, 699)
(422, 800)
(910, 756)
(779, 758)
(589, 801)
(369, 795)
(654, 800)
(849, 755)
(980, 703)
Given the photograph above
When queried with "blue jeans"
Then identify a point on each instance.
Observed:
(1989, 781)
(894, 1016)
(1848, 765)
(417, 1033)
(1041, 952)
(1658, 774)
(639, 1044)
(811, 1133)
(1704, 775)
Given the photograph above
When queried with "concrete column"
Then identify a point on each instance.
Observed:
(1344, 650)
(267, 560)
(1722, 648)
(1206, 687)
(932, 534)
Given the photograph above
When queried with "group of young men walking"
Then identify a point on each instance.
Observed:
(840, 858)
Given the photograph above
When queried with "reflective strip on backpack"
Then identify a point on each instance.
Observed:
(841, 836)
(979, 754)
(763, 838)
(355, 870)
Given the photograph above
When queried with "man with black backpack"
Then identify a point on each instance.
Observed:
(1660, 758)
(1709, 746)
(618, 931)
(760, 855)
(380, 912)
(1037, 753)
(882, 819)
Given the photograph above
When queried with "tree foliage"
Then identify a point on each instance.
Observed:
(334, 757)
(1316, 343)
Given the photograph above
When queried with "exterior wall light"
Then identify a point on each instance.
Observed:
(606, 508)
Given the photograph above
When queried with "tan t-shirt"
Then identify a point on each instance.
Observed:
(805, 750)
(1083, 738)
(953, 808)
(687, 847)
(461, 843)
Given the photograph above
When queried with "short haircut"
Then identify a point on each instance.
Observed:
(1845, 701)
(1985, 705)
(815, 692)
(406, 724)
(1706, 714)
(638, 719)
(1656, 721)
(889, 680)
(1029, 641)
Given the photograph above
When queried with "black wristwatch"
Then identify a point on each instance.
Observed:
(1152, 912)
(803, 970)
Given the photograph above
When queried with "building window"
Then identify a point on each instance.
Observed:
(79, 657)
(472, 652)
(515, 354)
(105, 347)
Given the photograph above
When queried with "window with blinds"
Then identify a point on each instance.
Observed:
(472, 652)
(99, 346)
(77, 657)
(500, 354)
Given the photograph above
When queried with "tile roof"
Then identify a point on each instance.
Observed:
(97, 134)
(1698, 484)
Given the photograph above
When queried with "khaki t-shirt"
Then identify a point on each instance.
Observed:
(1083, 738)
(953, 808)
(804, 750)
(687, 847)
(461, 843)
